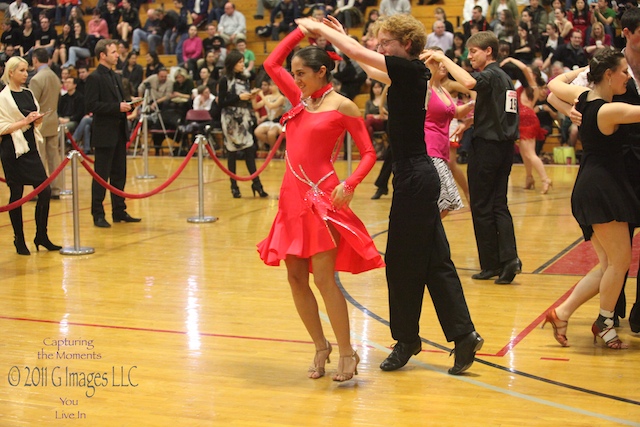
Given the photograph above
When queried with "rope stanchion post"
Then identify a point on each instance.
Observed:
(62, 132)
(201, 141)
(76, 249)
(145, 150)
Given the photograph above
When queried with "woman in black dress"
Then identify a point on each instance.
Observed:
(603, 201)
(19, 124)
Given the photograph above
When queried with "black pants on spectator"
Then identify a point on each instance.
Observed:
(250, 160)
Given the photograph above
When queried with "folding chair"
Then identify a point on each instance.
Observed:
(195, 121)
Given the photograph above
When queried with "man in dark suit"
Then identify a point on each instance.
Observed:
(104, 98)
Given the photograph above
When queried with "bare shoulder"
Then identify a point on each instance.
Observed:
(348, 107)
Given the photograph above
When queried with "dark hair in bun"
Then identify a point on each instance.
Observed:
(608, 59)
(314, 58)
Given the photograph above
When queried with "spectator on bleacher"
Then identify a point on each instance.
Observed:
(9, 52)
(350, 75)
(168, 29)
(198, 11)
(76, 15)
(498, 6)
(71, 106)
(149, 33)
(46, 36)
(441, 15)
(18, 11)
(374, 14)
(249, 56)
(477, 20)
(192, 50)
(439, 37)
(181, 29)
(63, 41)
(348, 15)
(130, 20)
(80, 46)
(581, 18)
(232, 24)
(98, 27)
(290, 11)
(394, 7)
(269, 127)
(160, 86)
(550, 43)
(524, 46)
(538, 15)
(505, 28)
(262, 5)
(4, 7)
(123, 54)
(375, 116)
(26, 37)
(470, 5)
(217, 10)
(83, 73)
(571, 54)
(605, 15)
(565, 27)
(64, 7)
(214, 62)
(112, 16)
(9, 35)
(212, 34)
(153, 64)
(598, 41)
(203, 99)
(44, 7)
(458, 52)
(206, 79)
(532, 28)
(133, 71)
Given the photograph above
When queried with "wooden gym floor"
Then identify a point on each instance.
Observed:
(171, 323)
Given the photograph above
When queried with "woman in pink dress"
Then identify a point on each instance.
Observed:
(441, 110)
(314, 229)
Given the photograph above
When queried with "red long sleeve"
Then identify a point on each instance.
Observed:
(356, 127)
(273, 66)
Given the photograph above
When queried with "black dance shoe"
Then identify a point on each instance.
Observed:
(465, 352)
(125, 217)
(379, 193)
(400, 355)
(509, 271)
(99, 221)
(44, 241)
(21, 247)
(258, 189)
(487, 274)
(235, 192)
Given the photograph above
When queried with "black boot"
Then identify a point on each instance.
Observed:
(256, 187)
(18, 240)
(42, 221)
(235, 191)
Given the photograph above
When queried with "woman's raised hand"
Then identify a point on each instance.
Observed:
(331, 22)
(308, 26)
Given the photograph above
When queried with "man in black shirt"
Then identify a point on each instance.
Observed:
(71, 105)
(417, 248)
(46, 36)
(572, 55)
(491, 157)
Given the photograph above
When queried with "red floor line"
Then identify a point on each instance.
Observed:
(534, 324)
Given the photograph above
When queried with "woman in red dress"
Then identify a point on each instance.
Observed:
(314, 229)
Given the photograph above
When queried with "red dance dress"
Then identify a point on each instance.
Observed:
(305, 210)
(529, 123)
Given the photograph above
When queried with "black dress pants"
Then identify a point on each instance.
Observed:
(250, 160)
(111, 165)
(418, 253)
(488, 173)
(382, 182)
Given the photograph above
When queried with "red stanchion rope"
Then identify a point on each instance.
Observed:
(74, 144)
(120, 193)
(134, 133)
(272, 153)
(36, 190)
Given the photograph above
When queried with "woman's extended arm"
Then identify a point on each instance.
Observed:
(349, 47)
(273, 66)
